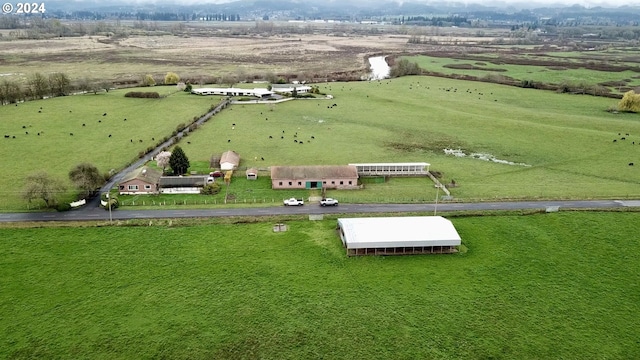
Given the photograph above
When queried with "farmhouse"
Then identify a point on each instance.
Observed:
(183, 184)
(257, 92)
(288, 88)
(140, 181)
(229, 160)
(398, 235)
(314, 177)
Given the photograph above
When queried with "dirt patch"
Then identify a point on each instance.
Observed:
(471, 67)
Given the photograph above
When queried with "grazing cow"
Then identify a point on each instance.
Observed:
(125, 119)
(630, 164)
(229, 140)
(7, 136)
(39, 111)
(627, 134)
(99, 121)
(153, 139)
(270, 137)
(131, 140)
(281, 137)
(26, 133)
(84, 124)
(188, 142)
(295, 140)
(24, 127)
(109, 135)
(233, 124)
(614, 140)
(13, 136)
(262, 158)
(38, 134)
(623, 138)
(71, 134)
(313, 137)
(301, 142)
(283, 131)
(105, 114)
(140, 140)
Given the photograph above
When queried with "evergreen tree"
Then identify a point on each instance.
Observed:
(178, 161)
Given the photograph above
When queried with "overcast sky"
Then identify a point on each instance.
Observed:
(533, 3)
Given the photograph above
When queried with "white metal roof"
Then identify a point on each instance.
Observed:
(394, 164)
(375, 232)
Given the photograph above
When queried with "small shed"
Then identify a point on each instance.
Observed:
(229, 160)
(183, 184)
(252, 174)
(398, 235)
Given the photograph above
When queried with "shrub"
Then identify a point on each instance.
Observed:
(210, 189)
(143, 94)
(63, 206)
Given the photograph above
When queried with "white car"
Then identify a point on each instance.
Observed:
(328, 202)
(293, 202)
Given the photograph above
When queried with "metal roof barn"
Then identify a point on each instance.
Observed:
(398, 235)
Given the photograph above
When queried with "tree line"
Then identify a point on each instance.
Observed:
(40, 86)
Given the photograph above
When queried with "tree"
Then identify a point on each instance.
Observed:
(188, 87)
(171, 78)
(38, 85)
(178, 161)
(10, 92)
(86, 177)
(42, 186)
(162, 159)
(630, 102)
(148, 80)
(59, 84)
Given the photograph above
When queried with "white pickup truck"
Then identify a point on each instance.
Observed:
(293, 202)
(328, 202)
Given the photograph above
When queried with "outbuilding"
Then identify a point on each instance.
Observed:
(314, 177)
(229, 160)
(398, 235)
(252, 174)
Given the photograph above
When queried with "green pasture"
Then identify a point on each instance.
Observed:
(566, 139)
(56, 151)
(527, 72)
(561, 285)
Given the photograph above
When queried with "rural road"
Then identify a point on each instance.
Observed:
(94, 213)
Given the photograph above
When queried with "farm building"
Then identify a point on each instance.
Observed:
(392, 169)
(257, 92)
(252, 174)
(288, 88)
(229, 160)
(398, 235)
(183, 184)
(314, 177)
(140, 181)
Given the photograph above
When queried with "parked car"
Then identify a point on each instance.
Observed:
(216, 174)
(293, 202)
(328, 202)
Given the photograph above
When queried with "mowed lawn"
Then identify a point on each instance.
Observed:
(55, 150)
(567, 140)
(561, 285)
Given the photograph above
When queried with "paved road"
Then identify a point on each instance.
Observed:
(93, 213)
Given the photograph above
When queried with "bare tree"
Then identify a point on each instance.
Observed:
(86, 177)
(42, 186)
(59, 84)
(38, 85)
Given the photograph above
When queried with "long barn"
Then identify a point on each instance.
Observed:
(398, 235)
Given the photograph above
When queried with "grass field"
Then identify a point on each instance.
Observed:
(540, 74)
(561, 285)
(50, 146)
(567, 140)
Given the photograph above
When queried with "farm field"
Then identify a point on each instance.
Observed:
(560, 285)
(50, 146)
(565, 142)
(562, 143)
(500, 66)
